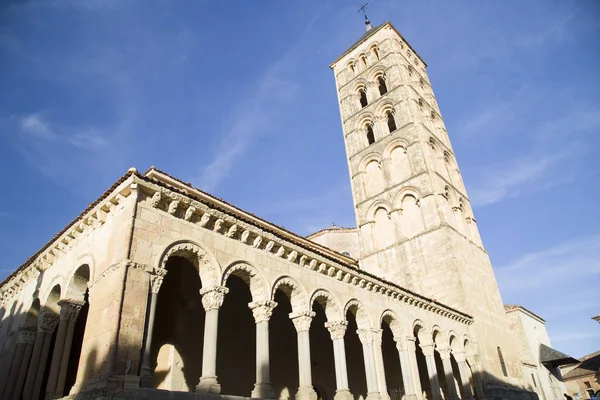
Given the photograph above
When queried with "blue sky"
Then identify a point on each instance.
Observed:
(238, 98)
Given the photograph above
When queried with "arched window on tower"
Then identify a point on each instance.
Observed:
(382, 85)
(370, 134)
(375, 53)
(363, 62)
(363, 97)
(391, 121)
(502, 363)
(422, 82)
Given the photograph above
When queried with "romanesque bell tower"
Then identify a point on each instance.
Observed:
(415, 222)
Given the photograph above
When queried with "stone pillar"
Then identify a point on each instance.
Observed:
(302, 322)
(448, 374)
(212, 300)
(411, 346)
(69, 310)
(379, 366)
(18, 371)
(404, 349)
(476, 370)
(146, 373)
(465, 386)
(366, 338)
(262, 311)
(33, 384)
(337, 330)
(429, 353)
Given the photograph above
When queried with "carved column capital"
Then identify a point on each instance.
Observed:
(26, 335)
(428, 349)
(156, 279)
(212, 297)
(69, 309)
(445, 353)
(47, 322)
(302, 320)
(405, 343)
(459, 356)
(262, 310)
(337, 329)
(365, 335)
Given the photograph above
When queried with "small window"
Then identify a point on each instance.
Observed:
(500, 357)
(370, 134)
(351, 68)
(421, 82)
(421, 103)
(363, 98)
(363, 61)
(391, 121)
(432, 115)
(376, 53)
(382, 85)
(410, 70)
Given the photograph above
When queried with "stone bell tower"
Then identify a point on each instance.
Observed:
(416, 226)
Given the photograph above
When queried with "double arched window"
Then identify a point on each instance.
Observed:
(382, 86)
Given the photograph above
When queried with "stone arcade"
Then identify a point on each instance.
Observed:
(158, 288)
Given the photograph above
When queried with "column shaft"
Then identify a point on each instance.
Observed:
(146, 375)
(405, 366)
(337, 330)
(14, 370)
(366, 338)
(428, 351)
(57, 355)
(465, 388)
(33, 365)
(23, 368)
(449, 375)
(262, 312)
(212, 300)
(379, 366)
(64, 362)
(302, 324)
(39, 376)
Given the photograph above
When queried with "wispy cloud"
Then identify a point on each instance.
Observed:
(513, 178)
(553, 267)
(34, 125)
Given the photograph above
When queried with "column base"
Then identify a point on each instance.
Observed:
(306, 393)
(263, 390)
(146, 378)
(374, 396)
(409, 397)
(343, 394)
(208, 384)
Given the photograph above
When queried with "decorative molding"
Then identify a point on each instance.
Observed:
(213, 297)
(69, 309)
(337, 329)
(302, 320)
(262, 310)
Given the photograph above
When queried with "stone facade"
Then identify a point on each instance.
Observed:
(158, 289)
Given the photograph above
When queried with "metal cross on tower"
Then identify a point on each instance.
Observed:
(367, 22)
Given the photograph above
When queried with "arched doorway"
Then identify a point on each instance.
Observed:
(178, 337)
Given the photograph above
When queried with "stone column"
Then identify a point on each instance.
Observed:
(69, 310)
(366, 338)
(302, 322)
(146, 373)
(212, 300)
(465, 386)
(429, 353)
(404, 349)
(262, 311)
(476, 369)
(448, 374)
(411, 346)
(337, 330)
(16, 379)
(379, 366)
(33, 384)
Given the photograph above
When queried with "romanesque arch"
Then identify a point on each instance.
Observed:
(392, 332)
(206, 264)
(330, 305)
(257, 284)
(293, 291)
(399, 162)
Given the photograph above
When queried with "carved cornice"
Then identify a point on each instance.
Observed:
(229, 226)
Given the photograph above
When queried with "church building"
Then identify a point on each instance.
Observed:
(160, 290)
